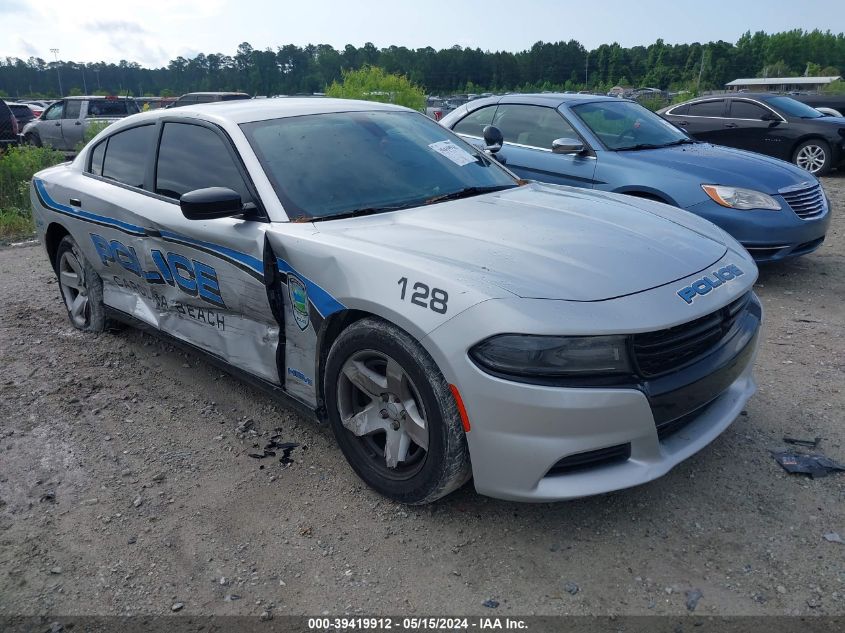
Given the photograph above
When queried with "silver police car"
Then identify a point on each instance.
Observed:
(449, 320)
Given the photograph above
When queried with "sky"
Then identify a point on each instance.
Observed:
(152, 32)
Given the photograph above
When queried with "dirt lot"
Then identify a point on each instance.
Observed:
(126, 488)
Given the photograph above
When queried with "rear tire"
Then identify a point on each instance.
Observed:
(813, 156)
(80, 286)
(393, 414)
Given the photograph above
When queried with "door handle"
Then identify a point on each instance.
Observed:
(731, 125)
(75, 202)
(58, 123)
(78, 123)
(683, 123)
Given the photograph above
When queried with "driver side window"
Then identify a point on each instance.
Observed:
(54, 112)
(534, 126)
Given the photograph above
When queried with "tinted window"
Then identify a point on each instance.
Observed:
(473, 124)
(328, 164)
(234, 97)
(681, 109)
(97, 154)
(623, 125)
(72, 109)
(532, 125)
(791, 107)
(111, 108)
(54, 111)
(707, 108)
(192, 157)
(747, 110)
(126, 155)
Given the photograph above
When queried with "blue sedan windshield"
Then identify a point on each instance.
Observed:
(623, 125)
(324, 166)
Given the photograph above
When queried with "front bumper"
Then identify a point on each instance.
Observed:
(769, 236)
(526, 438)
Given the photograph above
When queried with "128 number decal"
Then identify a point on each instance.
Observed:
(435, 299)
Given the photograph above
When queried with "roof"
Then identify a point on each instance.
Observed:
(89, 97)
(551, 99)
(777, 81)
(249, 110)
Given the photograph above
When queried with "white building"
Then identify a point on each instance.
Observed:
(781, 84)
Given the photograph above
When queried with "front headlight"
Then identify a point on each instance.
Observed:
(530, 355)
(738, 198)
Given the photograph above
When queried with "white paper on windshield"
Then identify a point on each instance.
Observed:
(454, 153)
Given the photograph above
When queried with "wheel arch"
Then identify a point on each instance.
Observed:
(52, 238)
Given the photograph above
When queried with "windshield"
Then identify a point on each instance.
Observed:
(327, 165)
(622, 125)
(791, 107)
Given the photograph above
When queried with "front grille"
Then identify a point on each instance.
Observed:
(807, 203)
(663, 351)
(591, 459)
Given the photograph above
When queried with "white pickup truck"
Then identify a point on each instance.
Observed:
(62, 126)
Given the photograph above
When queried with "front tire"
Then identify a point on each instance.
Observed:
(32, 139)
(393, 414)
(813, 156)
(80, 286)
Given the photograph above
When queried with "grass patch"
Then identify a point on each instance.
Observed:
(17, 166)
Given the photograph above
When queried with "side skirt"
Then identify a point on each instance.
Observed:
(278, 393)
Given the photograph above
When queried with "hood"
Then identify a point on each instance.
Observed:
(543, 242)
(718, 165)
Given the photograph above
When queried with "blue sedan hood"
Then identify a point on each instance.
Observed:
(718, 165)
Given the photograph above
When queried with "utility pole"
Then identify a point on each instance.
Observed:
(55, 52)
(84, 83)
(97, 72)
(587, 71)
(700, 70)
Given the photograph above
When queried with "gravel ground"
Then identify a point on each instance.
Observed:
(126, 488)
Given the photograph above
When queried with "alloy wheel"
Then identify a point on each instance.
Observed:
(380, 405)
(811, 157)
(74, 289)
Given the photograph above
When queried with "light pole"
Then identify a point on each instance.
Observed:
(97, 72)
(84, 83)
(55, 52)
(587, 72)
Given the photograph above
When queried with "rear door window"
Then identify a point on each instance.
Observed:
(474, 123)
(715, 108)
(126, 155)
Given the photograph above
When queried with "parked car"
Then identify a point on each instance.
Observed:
(774, 125)
(193, 98)
(62, 126)
(774, 209)
(446, 320)
(8, 126)
(23, 112)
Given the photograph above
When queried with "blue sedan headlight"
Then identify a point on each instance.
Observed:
(739, 198)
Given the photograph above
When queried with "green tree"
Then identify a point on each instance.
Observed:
(372, 83)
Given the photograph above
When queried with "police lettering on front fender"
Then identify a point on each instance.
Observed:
(710, 282)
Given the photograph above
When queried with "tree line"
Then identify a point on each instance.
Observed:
(292, 69)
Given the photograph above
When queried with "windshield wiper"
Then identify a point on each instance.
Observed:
(466, 192)
(356, 213)
(682, 141)
(639, 146)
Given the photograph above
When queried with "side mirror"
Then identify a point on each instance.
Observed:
(567, 146)
(493, 139)
(211, 203)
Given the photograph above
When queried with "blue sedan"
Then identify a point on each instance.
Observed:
(775, 209)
